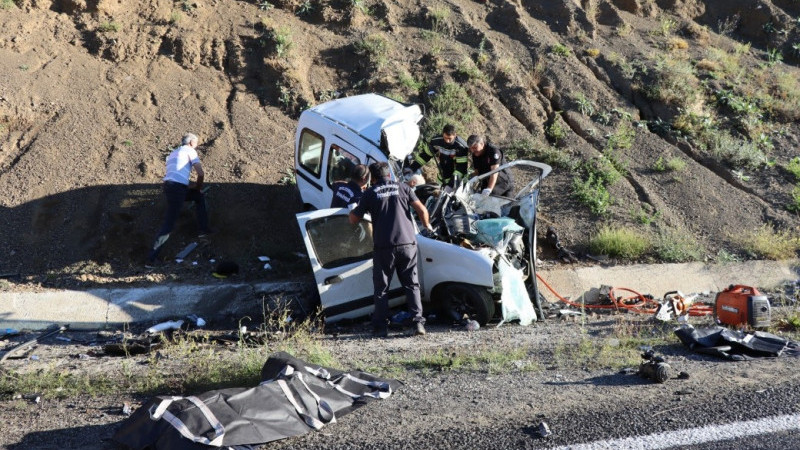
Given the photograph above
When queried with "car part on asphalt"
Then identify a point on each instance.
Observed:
(55, 329)
(654, 367)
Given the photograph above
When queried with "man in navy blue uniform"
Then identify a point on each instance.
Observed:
(394, 238)
(487, 157)
(346, 194)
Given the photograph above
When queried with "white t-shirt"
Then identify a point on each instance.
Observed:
(179, 164)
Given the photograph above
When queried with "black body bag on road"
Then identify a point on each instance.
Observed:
(294, 398)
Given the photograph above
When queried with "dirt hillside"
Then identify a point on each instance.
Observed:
(694, 105)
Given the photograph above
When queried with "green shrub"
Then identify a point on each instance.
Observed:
(585, 106)
(675, 83)
(470, 70)
(359, 5)
(766, 242)
(795, 204)
(605, 170)
(592, 193)
(619, 242)
(280, 38)
(408, 81)
(739, 153)
(7, 4)
(666, 26)
(542, 152)
(375, 48)
(675, 164)
(439, 17)
(107, 27)
(555, 132)
(678, 246)
(305, 8)
(644, 216)
(794, 167)
(622, 137)
(560, 50)
(452, 104)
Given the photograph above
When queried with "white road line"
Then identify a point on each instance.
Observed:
(693, 436)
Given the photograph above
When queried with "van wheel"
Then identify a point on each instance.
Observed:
(456, 300)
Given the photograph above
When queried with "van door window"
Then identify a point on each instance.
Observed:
(340, 164)
(310, 151)
(337, 242)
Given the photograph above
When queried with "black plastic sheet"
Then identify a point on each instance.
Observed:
(736, 345)
(294, 398)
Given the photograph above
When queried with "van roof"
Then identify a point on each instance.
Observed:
(368, 114)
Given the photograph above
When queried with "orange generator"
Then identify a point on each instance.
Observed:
(740, 305)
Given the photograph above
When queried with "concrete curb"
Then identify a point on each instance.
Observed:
(101, 308)
(661, 278)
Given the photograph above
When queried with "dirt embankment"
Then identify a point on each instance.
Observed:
(94, 93)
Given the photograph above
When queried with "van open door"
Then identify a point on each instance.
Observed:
(341, 257)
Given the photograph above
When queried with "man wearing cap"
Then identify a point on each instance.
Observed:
(485, 158)
(389, 204)
(178, 189)
(346, 194)
(451, 152)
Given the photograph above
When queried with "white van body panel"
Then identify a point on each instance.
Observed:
(346, 291)
(358, 125)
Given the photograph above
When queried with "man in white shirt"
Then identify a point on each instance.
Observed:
(179, 188)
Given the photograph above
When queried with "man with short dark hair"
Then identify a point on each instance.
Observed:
(178, 189)
(452, 155)
(346, 194)
(389, 204)
(485, 158)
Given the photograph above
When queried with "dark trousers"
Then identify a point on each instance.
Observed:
(503, 187)
(403, 259)
(176, 194)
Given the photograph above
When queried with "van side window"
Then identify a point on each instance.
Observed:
(310, 151)
(336, 242)
(340, 164)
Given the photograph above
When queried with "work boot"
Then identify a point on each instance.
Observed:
(380, 332)
(419, 329)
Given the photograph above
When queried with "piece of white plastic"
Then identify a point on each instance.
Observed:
(516, 303)
(164, 326)
(263, 258)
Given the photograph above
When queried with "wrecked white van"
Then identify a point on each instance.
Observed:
(483, 249)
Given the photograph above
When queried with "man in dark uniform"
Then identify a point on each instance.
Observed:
(486, 157)
(452, 154)
(394, 239)
(346, 194)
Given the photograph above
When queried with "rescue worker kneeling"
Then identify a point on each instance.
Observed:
(395, 243)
